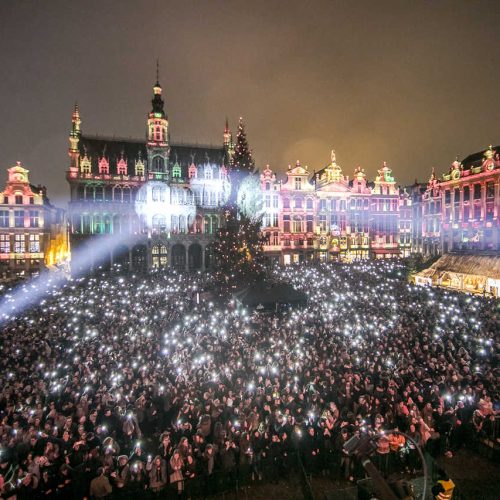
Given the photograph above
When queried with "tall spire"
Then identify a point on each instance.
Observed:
(228, 144)
(157, 101)
(74, 139)
(158, 133)
(75, 120)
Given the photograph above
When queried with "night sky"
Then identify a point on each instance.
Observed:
(413, 83)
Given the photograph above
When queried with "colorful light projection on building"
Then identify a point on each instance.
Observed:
(164, 208)
(249, 198)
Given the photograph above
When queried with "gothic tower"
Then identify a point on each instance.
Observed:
(74, 139)
(158, 145)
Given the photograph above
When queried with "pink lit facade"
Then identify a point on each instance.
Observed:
(460, 212)
(326, 217)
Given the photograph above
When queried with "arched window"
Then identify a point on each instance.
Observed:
(191, 224)
(297, 224)
(182, 223)
(215, 224)
(156, 193)
(108, 224)
(98, 225)
(175, 223)
(117, 194)
(158, 222)
(208, 172)
(158, 164)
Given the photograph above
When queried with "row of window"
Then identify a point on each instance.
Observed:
(335, 205)
(108, 224)
(19, 199)
(470, 213)
(273, 239)
(17, 243)
(157, 165)
(20, 217)
(477, 188)
(103, 193)
(121, 167)
(126, 195)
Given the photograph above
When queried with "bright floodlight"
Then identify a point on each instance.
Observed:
(165, 207)
(249, 198)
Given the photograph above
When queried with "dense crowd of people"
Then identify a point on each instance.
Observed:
(113, 385)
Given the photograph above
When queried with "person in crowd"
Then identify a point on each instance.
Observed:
(100, 486)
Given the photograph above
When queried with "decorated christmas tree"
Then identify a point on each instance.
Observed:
(238, 247)
(242, 163)
(238, 250)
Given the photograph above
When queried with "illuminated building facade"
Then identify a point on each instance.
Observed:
(160, 204)
(405, 224)
(33, 234)
(160, 201)
(416, 192)
(460, 212)
(325, 216)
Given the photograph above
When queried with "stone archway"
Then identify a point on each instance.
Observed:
(209, 257)
(139, 258)
(179, 257)
(195, 257)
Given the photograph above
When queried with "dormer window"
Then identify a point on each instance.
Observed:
(103, 166)
(158, 164)
(19, 199)
(121, 167)
(139, 168)
(192, 171)
(298, 183)
(85, 165)
(176, 171)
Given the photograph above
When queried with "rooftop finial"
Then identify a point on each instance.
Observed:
(157, 71)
